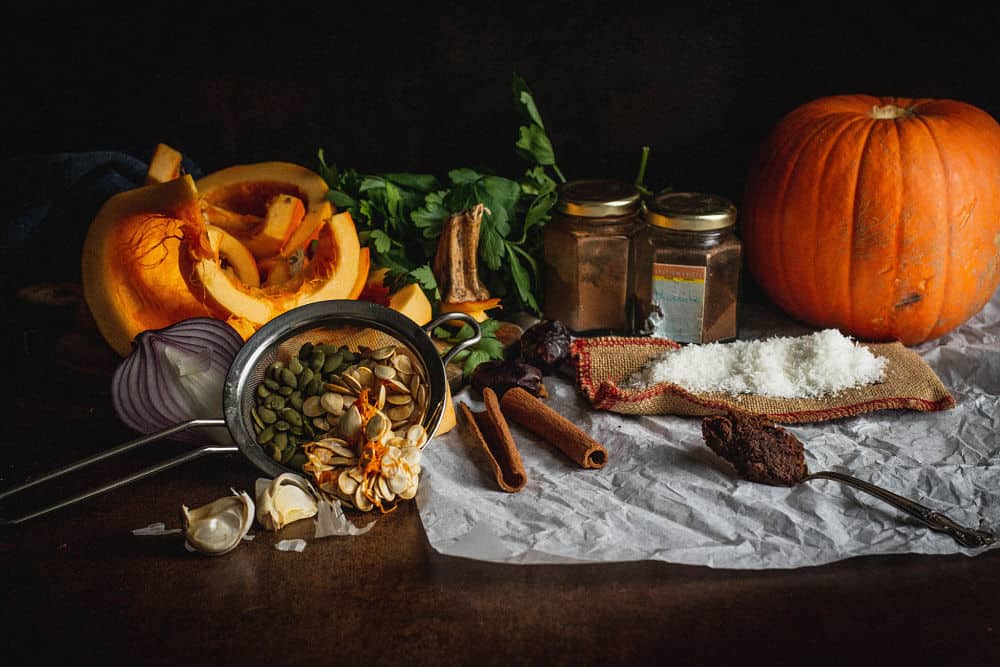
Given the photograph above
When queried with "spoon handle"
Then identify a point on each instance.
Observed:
(967, 537)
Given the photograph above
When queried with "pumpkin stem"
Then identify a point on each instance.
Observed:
(890, 112)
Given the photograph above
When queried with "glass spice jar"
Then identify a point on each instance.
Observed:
(688, 262)
(587, 256)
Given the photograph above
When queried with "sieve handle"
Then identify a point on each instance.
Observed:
(114, 451)
(477, 334)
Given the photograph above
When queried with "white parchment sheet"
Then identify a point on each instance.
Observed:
(665, 496)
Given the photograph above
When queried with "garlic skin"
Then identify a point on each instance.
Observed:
(283, 500)
(218, 527)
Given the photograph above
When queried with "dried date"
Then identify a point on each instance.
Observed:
(503, 375)
(545, 345)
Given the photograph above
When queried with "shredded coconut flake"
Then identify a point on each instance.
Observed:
(812, 366)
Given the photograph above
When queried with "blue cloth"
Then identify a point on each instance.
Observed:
(52, 200)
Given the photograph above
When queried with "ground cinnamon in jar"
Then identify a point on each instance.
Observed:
(587, 255)
(687, 269)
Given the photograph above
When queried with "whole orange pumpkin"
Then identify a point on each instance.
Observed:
(877, 216)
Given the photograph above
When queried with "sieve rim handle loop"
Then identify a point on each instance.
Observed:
(477, 332)
(115, 451)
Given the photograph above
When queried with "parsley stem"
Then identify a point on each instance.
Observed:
(555, 168)
(641, 176)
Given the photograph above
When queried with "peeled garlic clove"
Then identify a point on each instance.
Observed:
(286, 499)
(218, 527)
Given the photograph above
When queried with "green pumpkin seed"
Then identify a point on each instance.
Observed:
(288, 378)
(275, 368)
(305, 376)
(273, 385)
(267, 415)
(317, 359)
(332, 362)
(280, 440)
(295, 401)
(314, 387)
(262, 391)
(266, 435)
(292, 416)
(287, 454)
(306, 350)
(281, 425)
(295, 365)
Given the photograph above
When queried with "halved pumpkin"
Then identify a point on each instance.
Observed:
(150, 258)
(132, 278)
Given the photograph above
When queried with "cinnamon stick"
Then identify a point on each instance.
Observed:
(534, 415)
(493, 435)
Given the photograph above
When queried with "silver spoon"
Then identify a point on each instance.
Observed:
(764, 452)
(967, 537)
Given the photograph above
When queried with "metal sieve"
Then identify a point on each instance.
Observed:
(343, 322)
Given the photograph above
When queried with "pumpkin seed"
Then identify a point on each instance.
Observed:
(263, 391)
(281, 425)
(288, 378)
(292, 416)
(280, 440)
(295, 365)
(313, 407)
(285, 390)
(267, 415)
(332, 362)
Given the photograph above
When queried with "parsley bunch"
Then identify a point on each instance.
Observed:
(400, 215)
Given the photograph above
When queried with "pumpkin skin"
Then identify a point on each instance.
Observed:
(877, 216)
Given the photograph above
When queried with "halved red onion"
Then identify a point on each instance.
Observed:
(175, 374)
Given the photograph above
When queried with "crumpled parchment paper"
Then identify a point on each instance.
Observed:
(665, 496)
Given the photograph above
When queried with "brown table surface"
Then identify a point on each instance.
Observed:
(79, 585)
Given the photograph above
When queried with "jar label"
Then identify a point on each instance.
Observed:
(678, 302)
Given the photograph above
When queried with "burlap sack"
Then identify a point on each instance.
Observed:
(603, 363)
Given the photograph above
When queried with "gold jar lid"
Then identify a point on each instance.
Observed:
(691, 211)
(598, 198)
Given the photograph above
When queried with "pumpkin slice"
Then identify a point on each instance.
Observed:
(284, 215)
(131, 273)
(240, 224)
(305, 233)
(165, 165)
(364, 263)
(236, 258)
(331, 274)
(477, 309)
(412, 302)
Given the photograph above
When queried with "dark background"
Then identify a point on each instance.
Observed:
(428, 88)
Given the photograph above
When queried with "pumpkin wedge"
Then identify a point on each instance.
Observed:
(132, 279)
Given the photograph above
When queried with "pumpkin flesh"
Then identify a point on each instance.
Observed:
(880, 217)
(131, 273)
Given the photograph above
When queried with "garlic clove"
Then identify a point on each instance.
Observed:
(218, 527)
(285, 499)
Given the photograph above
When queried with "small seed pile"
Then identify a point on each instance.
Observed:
(312, 396)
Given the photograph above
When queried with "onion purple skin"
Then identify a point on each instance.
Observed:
(145, 393)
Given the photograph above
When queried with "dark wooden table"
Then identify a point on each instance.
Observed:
(80, 587)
